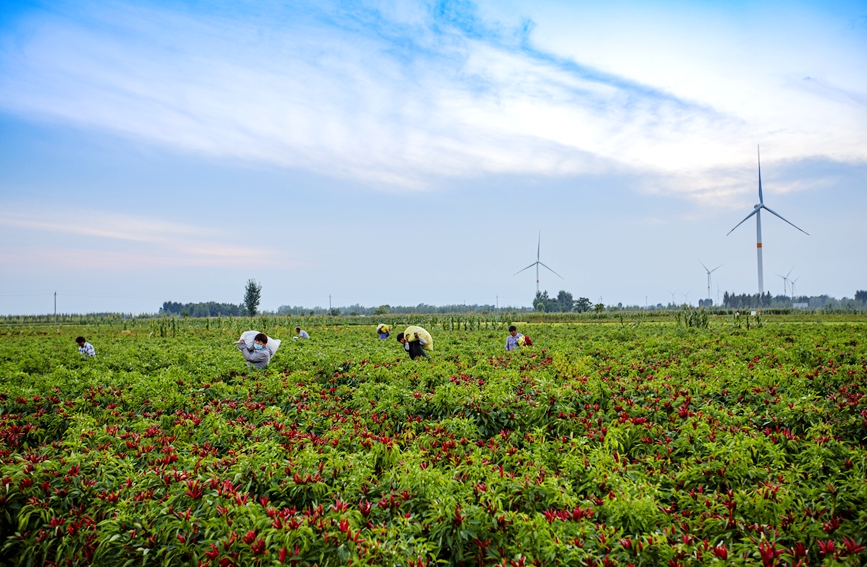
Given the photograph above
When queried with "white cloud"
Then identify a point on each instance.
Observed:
(403, 101)
(87, 239)
(121, 227)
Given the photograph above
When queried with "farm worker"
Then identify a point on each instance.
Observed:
(513, 341)
(259, 355)
(85, 347)
(302, 334)
(415, 348)
(383, 331)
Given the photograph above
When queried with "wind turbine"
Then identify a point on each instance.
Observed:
(709, 272)
(686, 297)
(538, 263)
(672, 295)
(785, 280)
(757, 210)
(792, 285)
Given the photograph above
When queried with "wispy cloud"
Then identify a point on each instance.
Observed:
(114, 226)
(39, 258)
(392, 95)
(109, 240)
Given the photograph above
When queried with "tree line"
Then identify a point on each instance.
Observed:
(202, 309)
(767, 301)
(420, 309)
(563, 303)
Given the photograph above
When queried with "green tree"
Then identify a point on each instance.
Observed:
(541, 302)
(564, 301)
(583, 304)
(252, 296)
(546, 304)
(861, 295)
(382, 310)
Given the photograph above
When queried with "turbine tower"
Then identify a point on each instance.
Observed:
(709, 272)
(757, 210)
(538, 263)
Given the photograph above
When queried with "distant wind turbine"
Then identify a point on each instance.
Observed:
(792, 285)
(709, 272)
(786, 281)
(686, 297)
(757, 210)
(672, 296)
(538, 263)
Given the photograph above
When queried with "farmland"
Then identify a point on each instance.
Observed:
(603, 444)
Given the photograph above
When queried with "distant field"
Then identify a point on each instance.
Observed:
(718, 318)
(639, 441)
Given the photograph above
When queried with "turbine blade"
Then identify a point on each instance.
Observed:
(539, 246)
(759, 153)
(757, 209)
(552, 271)
(717, 268)
(703, 266)
(780, 217)
(527, 268)
(790, 272)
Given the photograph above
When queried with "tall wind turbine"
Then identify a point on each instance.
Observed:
(538, 263)
(757, 210)
(709, 272)
(672, 295)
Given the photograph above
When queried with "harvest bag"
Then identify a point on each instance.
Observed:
(412, 329)
(272, 344)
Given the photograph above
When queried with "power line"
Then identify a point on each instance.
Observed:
(67, 294)
(24, 294)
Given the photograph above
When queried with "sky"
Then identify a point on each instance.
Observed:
(384, 152)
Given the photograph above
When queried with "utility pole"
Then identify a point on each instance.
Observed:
(329, 304)
(498, 308)
(55, 309)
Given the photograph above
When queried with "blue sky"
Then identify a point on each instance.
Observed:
(410, 152)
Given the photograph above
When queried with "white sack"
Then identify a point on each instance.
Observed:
(272, 344)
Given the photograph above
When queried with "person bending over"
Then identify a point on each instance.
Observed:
(259, 355)
(85, 347)
(414, 348)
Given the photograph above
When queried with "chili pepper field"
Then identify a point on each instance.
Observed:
(603, 444)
